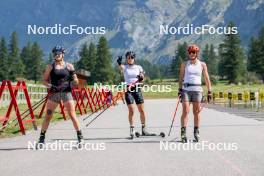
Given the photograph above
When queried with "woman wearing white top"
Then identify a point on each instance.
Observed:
(190, 90)
(133, 74)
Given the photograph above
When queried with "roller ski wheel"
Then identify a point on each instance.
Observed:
(196, 139)
(162, 134)
(137, 134)
(39, 146)
(80, 143)
(131, 136)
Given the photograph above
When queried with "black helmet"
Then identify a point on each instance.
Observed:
(130, 53)
(58, 50)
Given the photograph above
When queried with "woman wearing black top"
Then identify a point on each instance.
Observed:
(58, 77)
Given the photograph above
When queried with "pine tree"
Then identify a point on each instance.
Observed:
(3, 60)
(213, 61)
(179, 61)
(82, 63)
(221, 66)
(183, 52)
(209, 57)
(104, 71)
(16, 68)
(37, 65)
(233, 57)
(91, 62)
(25, 56)
(256, 54)
(180, 56)
(206, 54)
(173, 67)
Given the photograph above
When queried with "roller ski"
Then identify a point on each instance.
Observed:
(146, 133)
(161, 134)
(196, 134)
(183, 135)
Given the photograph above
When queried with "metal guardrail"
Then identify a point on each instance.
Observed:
(247, 99)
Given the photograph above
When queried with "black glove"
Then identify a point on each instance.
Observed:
(209, 96)
(119, 60)
(180, 92)
(140, 78)
(72, 72)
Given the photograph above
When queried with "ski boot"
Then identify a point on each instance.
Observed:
(41, 140)
(79, 139)
(132, 132)
(145, 132)
(183, 135)
(196, 134)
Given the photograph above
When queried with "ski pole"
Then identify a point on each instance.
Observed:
(101, 112)
(34, 107)
(174, 115)
(93, 112)
(131, 85)
(36, 104)
(97, 116)
(89, 115)
(99, 108)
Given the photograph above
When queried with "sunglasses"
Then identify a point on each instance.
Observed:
(130, 57)
(192, 52)
(57, 53)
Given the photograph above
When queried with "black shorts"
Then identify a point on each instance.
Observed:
(134, 95)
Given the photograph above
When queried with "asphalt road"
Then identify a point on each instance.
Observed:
(230, 145)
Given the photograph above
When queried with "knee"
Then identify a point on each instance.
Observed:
(141, 111)
(185, 112)
(49, 114)
(196, 111)
(131, 112)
